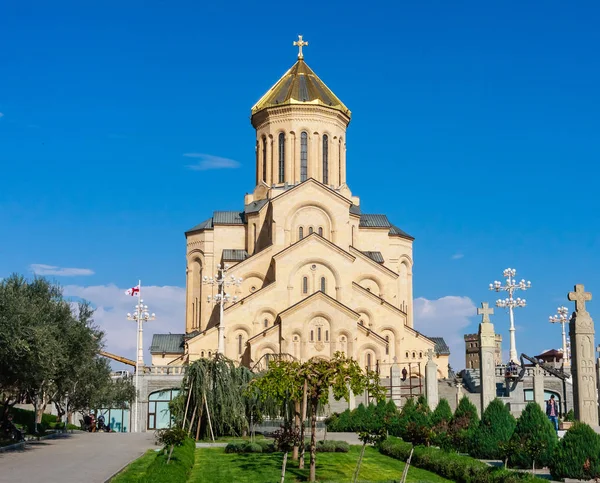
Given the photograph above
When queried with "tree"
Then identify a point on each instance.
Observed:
(463, 425)
(440, 425)
(340, 375)
(534, 438)
(495, 429)
(286, 438)
(577, 454)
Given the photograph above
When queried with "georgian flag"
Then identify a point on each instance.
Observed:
(133, 291)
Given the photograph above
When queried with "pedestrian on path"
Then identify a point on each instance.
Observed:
(552, 412)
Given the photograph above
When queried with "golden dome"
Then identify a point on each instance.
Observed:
(300, 85)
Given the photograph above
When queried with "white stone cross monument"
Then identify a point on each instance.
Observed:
(583, 367)
(431, 381)
(487, 349)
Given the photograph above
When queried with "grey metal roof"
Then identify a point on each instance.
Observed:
(169, 343)
(205, 225)
(375, 256)
(354, 210)
(394, 230)
(255, 206)
(233, 255)
(440, 346)
(228, 218)
(374, 221)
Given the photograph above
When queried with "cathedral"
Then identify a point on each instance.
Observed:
(306, 272)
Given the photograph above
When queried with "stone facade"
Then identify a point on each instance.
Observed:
(318, 275)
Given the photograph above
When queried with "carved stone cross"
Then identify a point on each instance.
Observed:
(300, 43)
(486, 312)
(580, 297)
(430, 354)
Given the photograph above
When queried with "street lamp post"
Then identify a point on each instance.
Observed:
(562, 317)
(140, 316)
(511, 303)
(221, 298)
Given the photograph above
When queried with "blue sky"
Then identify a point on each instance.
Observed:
(475, 129)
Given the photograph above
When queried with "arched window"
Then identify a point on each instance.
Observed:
(209, 353)
(300, 233)
(369, 360)
(407, 355)
(202, 354)
(414, 355)
(264, 158)
(303, 156)
(281, 157)
(240, 344)
(420, 355)
(310, 230)
(304, 284)
(387, 346)
(266, 322)
(325, 159)
(323, 284)
(320, 231)
(312, 335)
(326, 336)
(319, 334)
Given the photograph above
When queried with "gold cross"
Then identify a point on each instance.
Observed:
(485, 311)
(300, 43)
(580, 297)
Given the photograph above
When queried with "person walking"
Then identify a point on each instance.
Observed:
(552, 412)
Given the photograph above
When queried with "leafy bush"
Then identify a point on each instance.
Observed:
(179, 468)
(266, 445)
(463, 425)
(261, 446)
(26, 418)
(577, 454)
(570, 416)
(363, 417)
(252, 448)
(171, 436)
(455, 467)
(533, 440)
(235, 447)
(495, 429)
(414, 423)
(330, 446)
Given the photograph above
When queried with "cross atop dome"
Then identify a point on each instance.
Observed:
(300, 43)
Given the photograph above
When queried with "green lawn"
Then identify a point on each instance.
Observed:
(213, 465)
(136, 470)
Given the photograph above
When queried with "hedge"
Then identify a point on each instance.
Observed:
(179, 468)
(455, 467)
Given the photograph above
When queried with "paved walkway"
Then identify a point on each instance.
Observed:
(75, 458)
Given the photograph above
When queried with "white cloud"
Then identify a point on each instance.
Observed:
(112, 306)
(457, 256)
(446, 317)
(41, 269)
(208, 161)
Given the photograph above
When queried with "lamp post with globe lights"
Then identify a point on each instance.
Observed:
(511, 303)
(140, 316)
(221, 298)
(562, 317)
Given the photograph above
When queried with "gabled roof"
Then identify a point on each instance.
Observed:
(228, 218)
(441, 347)
(300, 85)
(168, 343)
(375, 256)
(315, 236)
(255, 206)
(234, 255)
(374, 221)
(205, 225)
(323, 295)
(395, 231)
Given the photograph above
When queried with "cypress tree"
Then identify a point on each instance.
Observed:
(534, 439)
(577, 455)
(495, 429)
(463, 425)
(440, 425)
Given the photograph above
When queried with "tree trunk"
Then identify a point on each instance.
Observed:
(360, 458)
(313, 441)
(533, 467)
(303, 419)
(297, 426)
(283, 467)
(170, 453)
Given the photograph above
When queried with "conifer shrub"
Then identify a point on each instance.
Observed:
(577, 454)
(440, 425)
(494, 431)
(463, 425)
(414, 423)
(533, 440)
